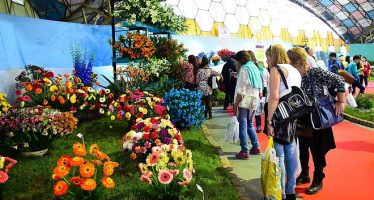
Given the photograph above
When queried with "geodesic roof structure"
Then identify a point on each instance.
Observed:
(350, 19)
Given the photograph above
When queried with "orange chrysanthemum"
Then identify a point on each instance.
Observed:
(60, 188)
(97, 162)
(29, 87)
(88, 184)
(87, 170)
(107, 182)
(79, 149)
(61, 100)
(64, 160)
(45, 102)
(55, 177)
(93, 148)
(76, 161)
(61, 171)
(76, 180)
(108, 168)
(158, 142)
(38, 90)
(133, 156)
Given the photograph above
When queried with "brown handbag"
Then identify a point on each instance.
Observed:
(347, 76)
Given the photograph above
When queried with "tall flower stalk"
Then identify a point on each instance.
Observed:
(83, 69)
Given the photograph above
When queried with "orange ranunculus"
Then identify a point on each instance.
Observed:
(107, 182)
(87, 170)
(101, 155)
(88, 184)
(71, 90)
(76, 161)
(93, 148)
(68, 84)
(76, 180)
(108, 168)
(66, 75)
(29, 87)
(61, 171)
(79, 149)
(53, 97)
(38, 90)
(158, 142)
(61, 100)
(45, 102)
(63, 160)
(60, 188)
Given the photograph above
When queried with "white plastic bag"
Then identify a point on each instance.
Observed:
(351, 101)
(214, 83)
(232, 131)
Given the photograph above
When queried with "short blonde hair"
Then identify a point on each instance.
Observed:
(298, 56)
(277, 54)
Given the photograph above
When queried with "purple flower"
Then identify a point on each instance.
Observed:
(164, 132)
(140, 125)
(135, 140)
(121, 112)
(133, 147)
(147, 145)
(167, 140)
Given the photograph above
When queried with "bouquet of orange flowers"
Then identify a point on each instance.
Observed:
(82, 175)
(134, 46)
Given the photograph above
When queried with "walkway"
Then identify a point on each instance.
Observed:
(370, 88)
(349, 173)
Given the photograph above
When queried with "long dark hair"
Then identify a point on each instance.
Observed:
(193, 61)
(204, 62)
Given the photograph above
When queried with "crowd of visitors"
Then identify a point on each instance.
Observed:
(252, 89)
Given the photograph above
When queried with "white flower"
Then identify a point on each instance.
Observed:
(11, 134)
(102, 99)
(107, 91)
(26, 145)
(15, 147)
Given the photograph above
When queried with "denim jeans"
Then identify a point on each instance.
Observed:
(246, 128)
(288, 163)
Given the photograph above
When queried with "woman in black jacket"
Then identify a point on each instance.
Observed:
(319, 141)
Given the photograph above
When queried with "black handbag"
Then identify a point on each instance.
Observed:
(323, 115)
(293, 105)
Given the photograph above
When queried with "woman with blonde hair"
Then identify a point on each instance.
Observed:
(247, 87)
(278, 63)
(319, 141)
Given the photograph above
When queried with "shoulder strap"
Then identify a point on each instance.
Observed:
(282, 76)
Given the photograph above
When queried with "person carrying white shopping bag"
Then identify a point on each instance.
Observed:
(232, 131)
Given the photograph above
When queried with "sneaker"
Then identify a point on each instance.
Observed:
(242, 155)
(254, 151)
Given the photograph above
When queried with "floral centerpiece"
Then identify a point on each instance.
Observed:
(134, 46)
(168, 170)
(7, 163)
(33, 74)
(225, 54)
(4, 105)
(136, 105)
(33, 128)
(150, 132)
(185, 107)
(215, 59)
(83, 175)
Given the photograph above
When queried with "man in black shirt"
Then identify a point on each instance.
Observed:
(228, 72)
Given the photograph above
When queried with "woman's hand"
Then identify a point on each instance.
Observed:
(270, 130)
(339, 108)
(236, 109)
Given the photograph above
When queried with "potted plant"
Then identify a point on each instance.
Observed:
(31, 130)
(134, 46)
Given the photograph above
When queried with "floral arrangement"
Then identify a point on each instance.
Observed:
(136, 105)
(168, 170)
(225, 54)
(185, 107)
(155, 68)
(209, 54)
(32, 73)
(33, 128)
(83, 70)
(65, 93)
(81, 175)
(148, 133)
(4, 172)
(134, 46)
(150, 12)
(4, 105)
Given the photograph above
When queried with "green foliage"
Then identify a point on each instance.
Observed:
(155, 67)
(31, 178)
(362, 114)
(219, 97)
(150, 12)
(161, 87)
(365, 101)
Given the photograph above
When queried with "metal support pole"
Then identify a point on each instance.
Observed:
(114, 40)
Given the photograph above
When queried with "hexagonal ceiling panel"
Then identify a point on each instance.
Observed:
(203, 4)
(204, 20)
(229, 6)
(232, 23)
(255, 25)
(264, 17)
(188, 8)
(242, 15)
(172, 2)
(217, 12)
